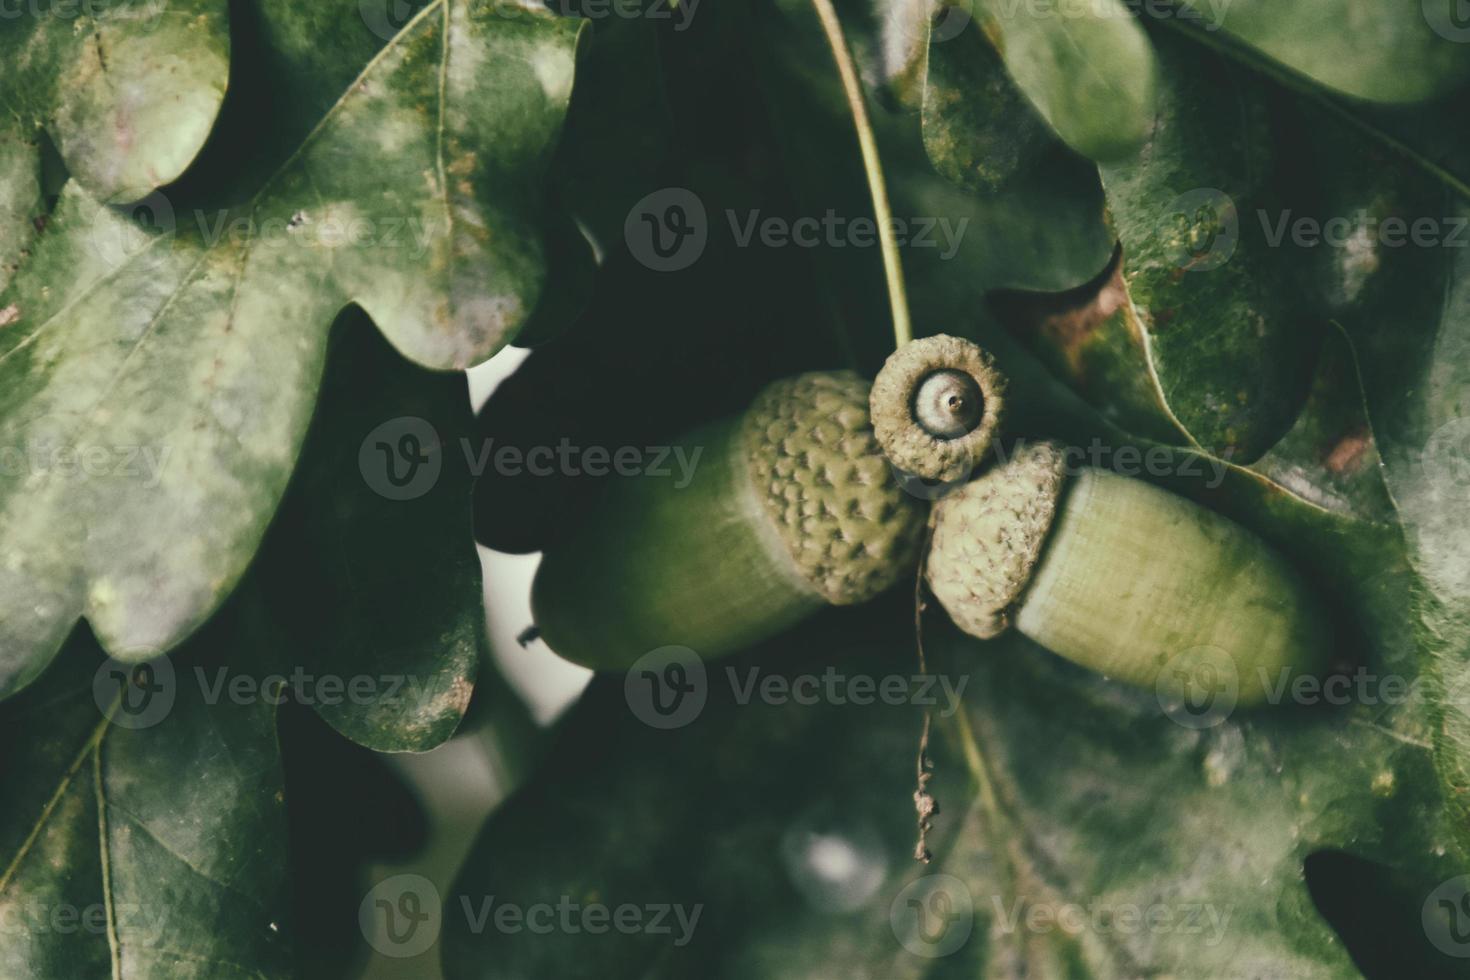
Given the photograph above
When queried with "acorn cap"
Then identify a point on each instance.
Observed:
(818, 469)
(989, 535)
(903, 413)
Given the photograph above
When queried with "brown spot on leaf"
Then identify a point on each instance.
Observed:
(1347, 454)
(1069, 319)
(9, 315)
(39, 222)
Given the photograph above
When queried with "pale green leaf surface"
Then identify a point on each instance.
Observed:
(201, 339)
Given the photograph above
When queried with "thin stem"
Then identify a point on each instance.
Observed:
(903, 330)
(924, 802)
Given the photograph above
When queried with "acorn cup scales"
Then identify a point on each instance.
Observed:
(1122, 577)
(791, 507)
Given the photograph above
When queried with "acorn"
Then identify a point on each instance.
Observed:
(936, 405)
(791, 508)
(1121, 577)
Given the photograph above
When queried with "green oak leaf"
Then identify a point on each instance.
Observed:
(1396, 279)
(188, 873)
(156, 832)
(1035, 204)
(197, 338)
(1201, 336)
(788, 828)
(372, 558)
(1088, 68)
(1383, 50)
(127, 91)
(978, 129)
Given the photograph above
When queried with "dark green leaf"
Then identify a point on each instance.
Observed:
(372, 561)
(201, 338)
(788, 827)
(148, 848)
(1204, 337)
(1397, 281)
(1385, 50)
(1034, 207)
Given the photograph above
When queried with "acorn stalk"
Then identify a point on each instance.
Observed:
(1120, 576)
(791, 508)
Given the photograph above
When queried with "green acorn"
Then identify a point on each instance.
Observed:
(936, 407)
(1122, 577)
(791, 507)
